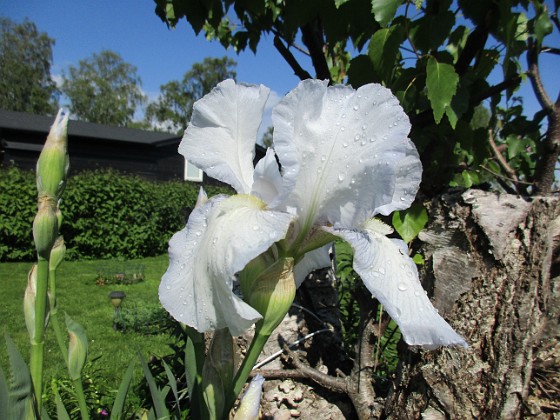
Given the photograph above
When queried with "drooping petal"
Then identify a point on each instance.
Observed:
(391, 276)
(313, 260)
(409, 174)
(220, 138)
(220, 238)
(337, 146)
(267, 181)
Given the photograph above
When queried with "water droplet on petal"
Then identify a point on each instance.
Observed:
(182, 266)
(382, 270)
(323, 158)
(402, 287)
(341, 177)
(364, 127)
(355, 107)
(344, 144)
(256, 227)
(342, 128)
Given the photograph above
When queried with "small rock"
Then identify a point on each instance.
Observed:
(295, 413)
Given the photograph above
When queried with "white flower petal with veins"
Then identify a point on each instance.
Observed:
(391, 276)
(220, 138)
(220, 238)
(342, 149)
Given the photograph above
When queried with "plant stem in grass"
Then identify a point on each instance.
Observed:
(38, 341)
(194, 362)
(54, 317)
(257, 344)
(81, 398)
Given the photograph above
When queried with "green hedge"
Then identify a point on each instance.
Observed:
(106, 214)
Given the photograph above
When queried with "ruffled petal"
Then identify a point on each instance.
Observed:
(391, 276)
(341, 150)
(220, 138)
(220, 238)
(408, 174)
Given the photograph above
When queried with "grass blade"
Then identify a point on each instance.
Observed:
(116, 412)
(4, 395)
(173, 385)
(61, 412)
(157, 399)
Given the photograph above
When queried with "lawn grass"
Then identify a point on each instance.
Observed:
(89, 305)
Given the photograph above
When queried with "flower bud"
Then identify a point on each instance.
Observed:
(29, 303)
(77, 348)
(57, 253)
(45, 228)
(273, 294)
(59, 214)
(53, 162)
(251, 402)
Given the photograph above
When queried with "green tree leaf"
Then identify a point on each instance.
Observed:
(410, 222)
(384, 10)
(383, 51)
(441, 82)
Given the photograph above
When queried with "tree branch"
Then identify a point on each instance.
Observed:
(290, 59)
(312, 37)
(505, 166)
(535, 78)
(475, 43)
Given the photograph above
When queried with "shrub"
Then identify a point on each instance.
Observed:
(107, 214)
(18, 205)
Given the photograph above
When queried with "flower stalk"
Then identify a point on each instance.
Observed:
(52, 168)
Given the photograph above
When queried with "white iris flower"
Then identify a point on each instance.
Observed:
(344, 156)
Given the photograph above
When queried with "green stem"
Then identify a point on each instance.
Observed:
(81, 398)
(54, 317)
(194, 361)
(38, 341)
(257, 344)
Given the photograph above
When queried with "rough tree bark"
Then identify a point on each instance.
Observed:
(489, 269)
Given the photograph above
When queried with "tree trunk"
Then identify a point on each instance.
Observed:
(491, 271)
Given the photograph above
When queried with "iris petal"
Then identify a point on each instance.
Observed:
(344, 151)
(391, 276)
(220, 238)
(221, 135)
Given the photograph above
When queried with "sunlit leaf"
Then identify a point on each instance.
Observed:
(384, 10)
(441, 83)
(409, 223)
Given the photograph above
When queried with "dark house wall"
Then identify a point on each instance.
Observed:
(92, 146)
(151, 155)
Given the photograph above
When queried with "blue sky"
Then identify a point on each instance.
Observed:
(131, 28)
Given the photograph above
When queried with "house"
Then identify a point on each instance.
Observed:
(152, 155)
(148, 154)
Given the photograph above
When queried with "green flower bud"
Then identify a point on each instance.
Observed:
(53, 162)
(45, 228)
(29, 303)
(59, 214)
(249, 407)
(57, 253)
(77, 348)
(273, 293)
